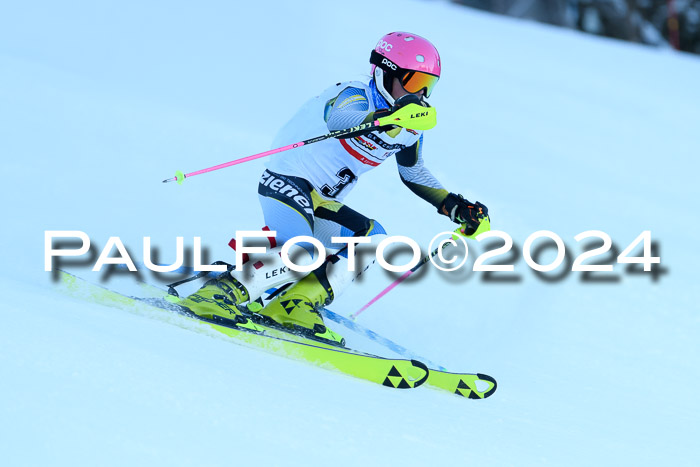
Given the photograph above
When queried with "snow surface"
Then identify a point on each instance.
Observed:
(551, 129)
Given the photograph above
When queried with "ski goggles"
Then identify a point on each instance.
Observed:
(412, 81)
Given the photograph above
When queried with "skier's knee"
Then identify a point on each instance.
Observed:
(368, 228)
(375, 228)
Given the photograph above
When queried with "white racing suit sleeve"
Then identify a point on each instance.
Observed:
(350, 108)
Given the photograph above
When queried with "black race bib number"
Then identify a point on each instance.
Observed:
(346, 178)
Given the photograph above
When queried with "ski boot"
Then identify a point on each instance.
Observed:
(297, 309)
(216, 301)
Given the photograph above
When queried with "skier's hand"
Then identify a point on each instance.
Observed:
(408, 99)
(393, 130)
(463, 211)
(399, 103)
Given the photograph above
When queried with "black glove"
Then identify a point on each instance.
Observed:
(408, 99)
(463, 211)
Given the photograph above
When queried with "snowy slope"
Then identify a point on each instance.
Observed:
(551, 129)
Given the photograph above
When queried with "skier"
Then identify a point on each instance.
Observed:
(301, 192)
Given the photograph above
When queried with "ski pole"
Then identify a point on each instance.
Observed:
(403, 277)
(484, 226)
(411, 116)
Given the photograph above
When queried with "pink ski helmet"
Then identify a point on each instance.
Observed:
(410, 58)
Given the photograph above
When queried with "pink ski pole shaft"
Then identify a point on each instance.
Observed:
(382, 293)
(484, 226)
(180, 177)
(403, 277)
